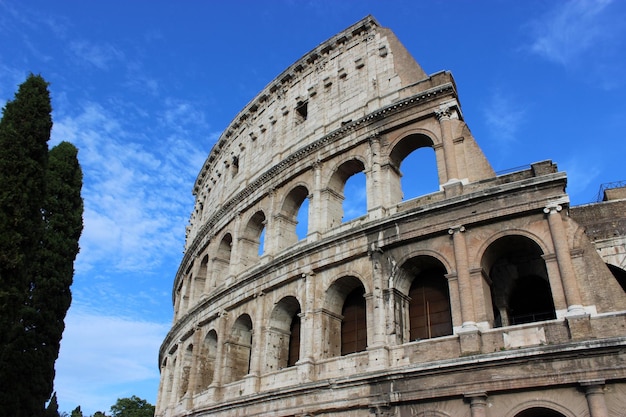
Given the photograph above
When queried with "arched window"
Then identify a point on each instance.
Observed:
(520, 290)
(252, 242)
(341, 207)
(355, 197)
(344, 318)
(208, 354)
(239, 349)
(221, 261)
(202, 278)
(292, 222)
(429, 308)
(187, 359)
(414, 163)
(283, 336)
(354, 323)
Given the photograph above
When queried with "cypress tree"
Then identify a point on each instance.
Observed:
(51, 296)
(40, 223)
(24, 134)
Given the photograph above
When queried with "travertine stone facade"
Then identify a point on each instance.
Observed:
(485, 298)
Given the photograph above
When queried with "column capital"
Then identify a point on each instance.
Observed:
(552, 208)
(456, 229)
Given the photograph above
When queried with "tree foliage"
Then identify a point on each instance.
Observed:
(40, 224)
(132, 407)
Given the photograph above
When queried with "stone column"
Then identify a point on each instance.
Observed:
(375, 192)
(463, 276)
(306, 363)
(258, 346)
(594, 391)
(478, 404)
(445, 114)
(220, 359)
(564, 260)
(193, 373)
(316, 219)
(178, 374)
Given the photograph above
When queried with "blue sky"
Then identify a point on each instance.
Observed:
(144, 88)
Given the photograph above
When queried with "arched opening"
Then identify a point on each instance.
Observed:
(344, 318)
(283, 336)
(619, 274)
(344, 201)
(221, 261)
(539, 412)
(208, 354)
(202, 278)
(426, 312)
(429, 308)
(520, 289)
(302, 220)
(187, 360)
(292, 222)
(252, 241)
(239, 349)
(355, 197)
(414, 164)
(354, 323)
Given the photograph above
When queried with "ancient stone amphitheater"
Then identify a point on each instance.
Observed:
(489, 297)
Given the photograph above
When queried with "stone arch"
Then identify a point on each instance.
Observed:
(333, 196)
(480, 258)
(283, 335)
(221, 260)
(346, 318)
(207, 358)
(287, 218)
(202, 279)
(409, 146)
(239, 349)
(424, 309)
(540, 408)
(251, 241)
(520, 287)
(186, 370)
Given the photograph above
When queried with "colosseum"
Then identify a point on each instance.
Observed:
(489, 297)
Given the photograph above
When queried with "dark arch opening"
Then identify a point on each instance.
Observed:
(354, 323)
(429, 309)
(539, 412)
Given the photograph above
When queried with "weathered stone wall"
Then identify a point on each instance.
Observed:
(532, 317)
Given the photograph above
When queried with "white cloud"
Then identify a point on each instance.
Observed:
(136, 187)
(584, 36)
(98, 55)
(503, 118)
(101, 353)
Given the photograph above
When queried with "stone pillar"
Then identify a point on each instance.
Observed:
(178, 374)
(316, 219)
(564, 260)
(258, 346)
(463, 275)
(469, 335)
(220, 359)
(306, 323)
(375, 191)
(478, 404)
(445, 114)
(193, 373)
(594, 391)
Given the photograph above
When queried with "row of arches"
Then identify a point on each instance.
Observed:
(344, 197)
(423, 309)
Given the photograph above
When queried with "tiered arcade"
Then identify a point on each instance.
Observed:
(483, 298)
